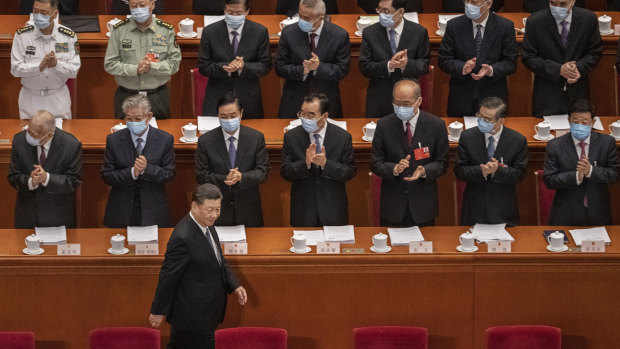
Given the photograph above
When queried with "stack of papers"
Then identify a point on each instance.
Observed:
(52, 235)
(153, 122)
(373, 19)
(489, 232)
(142, 235)
(341, 124)
(231, 234)
(207, 123)
(446, 18)
(470, 121)
(212, 19)
(558, 122)
(598, 125)
(58, 123)
(312, 236)
(591, 234)
(403, 236)
(412, 16)
(343, 234)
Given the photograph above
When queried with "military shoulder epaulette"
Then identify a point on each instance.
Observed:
(123, 22)
(66, 31)
(165, 24)
(25, 29)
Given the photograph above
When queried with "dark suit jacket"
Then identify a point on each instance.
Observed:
(216, 51)
(499, 50)
(370, 6)
(241, 203)
(542, 52)
(54, 205)
(389, 146)
(193, 286)
(491, 199)
(120, 155)
(559, 174)
(537, 5)
(613, 5)
(334, 51)
(65, 7)
(208, 7)
(119, 7)
(291, 7)
(458, 6)
(375, 53)
(317, 192)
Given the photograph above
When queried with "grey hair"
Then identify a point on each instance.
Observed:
(417, 91)
(53, 3)
(206, 191)
(318, 6)
(135, 102)
(46, 119)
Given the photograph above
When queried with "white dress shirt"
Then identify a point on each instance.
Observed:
(228, 135)
(46, 148)
(208, 236)
(578, 149)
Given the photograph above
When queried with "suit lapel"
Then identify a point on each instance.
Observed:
(593, 149)
(398, 131)
(384, 39)
(489, 36)
(330, 139)
(404, 37)
(481, 146)
(246, 36)
(468, 38)
(151, 140)
(418, 133)
(502, 143)
(574, 31)
(225, 40)
(572, 150)
(323, 40)
(52, 153)
(129, 149)
(243, 145)
(222, 147)
(203, 240)
(553, 27)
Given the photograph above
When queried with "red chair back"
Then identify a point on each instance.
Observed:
(108, 6)
(124, 337)
(375, 199)
(16, 340)
(544, 199)
(199, 84)
(390, 337)
(459, 189)
(251, 337)
(72, 86)
(616, 83)
(426, 85)
(524, 337)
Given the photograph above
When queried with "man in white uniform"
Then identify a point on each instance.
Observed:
(44, 56)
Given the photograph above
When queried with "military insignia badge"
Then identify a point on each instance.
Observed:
(126, 43)
(62, 47)
(77, 47)
(159, 40)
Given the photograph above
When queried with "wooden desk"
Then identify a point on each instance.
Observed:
(275, 191)
(96, 87)
(319, 299)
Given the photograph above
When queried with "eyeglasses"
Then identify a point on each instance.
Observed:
(402, 104)
(486, 119)
(384, 11)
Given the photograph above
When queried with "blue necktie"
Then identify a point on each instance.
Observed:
(139, 147)
(491, 148)
(235, 42)
(318, 143)
(232, 152)
(393, 41)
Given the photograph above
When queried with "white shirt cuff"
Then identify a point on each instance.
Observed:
(388, 67)
(47, 180)
(30, 186)
(590, 173)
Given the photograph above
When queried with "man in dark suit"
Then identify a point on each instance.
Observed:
(458, 6)
(234, 54)
(370, 6)
(492, 159)
(208, 7)
(234, 158)
(479, 51)
(317, 158)
(580, 165)
(46, 169)
(195, 278)
(312, 56)
(65, 7)
(391, 49)
(409, 153)
(291, 7)
(121, 7)
(532, 6)
(138, 162)
(562, 45)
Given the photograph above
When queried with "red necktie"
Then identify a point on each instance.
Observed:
(583, 156)
(409, 136)
(42, 157)
(312, 42)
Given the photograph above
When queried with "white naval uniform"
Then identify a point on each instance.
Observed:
(47, 89)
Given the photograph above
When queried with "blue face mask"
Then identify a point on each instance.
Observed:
(31, 140)
(579, 131)
(386, 20)
(559, 13)
(41, 21)
(141, 14)
(310, 125)
(234, 21)
(230, 125)
(403, 113)
(485, 126)
(472, 11)
(136, 127)
(305, 26)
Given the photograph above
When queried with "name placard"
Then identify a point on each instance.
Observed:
(499, 246)
(147, 249)
(421, 247)
(593, 246)
(323, 247)
(69, 250)
(236, 248)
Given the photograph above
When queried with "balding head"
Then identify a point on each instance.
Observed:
(42, 125)
(407, 87)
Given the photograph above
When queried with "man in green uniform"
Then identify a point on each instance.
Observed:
(142, 54)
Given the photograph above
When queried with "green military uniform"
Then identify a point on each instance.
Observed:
(126, 48)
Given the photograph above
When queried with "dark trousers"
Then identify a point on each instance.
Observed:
(180, 339)
(160, 102)
(407, 221)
